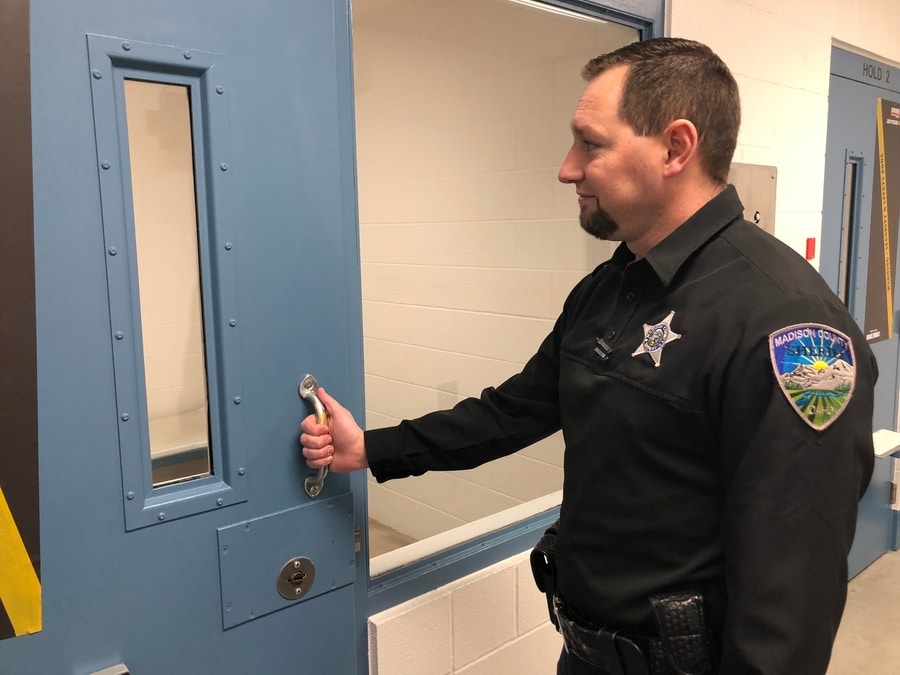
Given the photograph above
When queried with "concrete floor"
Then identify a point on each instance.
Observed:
(383, 539)
(865, 642)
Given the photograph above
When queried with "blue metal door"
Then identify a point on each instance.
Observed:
(851, 165)
(232, 568)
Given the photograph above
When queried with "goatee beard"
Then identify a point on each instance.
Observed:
(598, 223)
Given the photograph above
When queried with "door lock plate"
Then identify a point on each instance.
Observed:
(253, 552)
(296, 578)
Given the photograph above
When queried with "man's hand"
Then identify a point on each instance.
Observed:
(339, 445)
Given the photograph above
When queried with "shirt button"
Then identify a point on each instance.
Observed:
(630, 297)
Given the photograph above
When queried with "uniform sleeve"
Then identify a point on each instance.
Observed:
(519, 412)
(791, 497)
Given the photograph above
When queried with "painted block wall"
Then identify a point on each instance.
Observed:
(780, 54)
(489, 623)
(469, 244)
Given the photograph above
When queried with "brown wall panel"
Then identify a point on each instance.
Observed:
(18, 358)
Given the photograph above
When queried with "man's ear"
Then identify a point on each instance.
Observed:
(681, 140)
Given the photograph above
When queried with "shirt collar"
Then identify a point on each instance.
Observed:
(667, 257)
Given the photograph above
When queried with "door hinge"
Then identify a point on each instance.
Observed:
(894, 500)
(356, 539)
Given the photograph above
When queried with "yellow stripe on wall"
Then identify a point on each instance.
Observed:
(20, 589)
(885, 219)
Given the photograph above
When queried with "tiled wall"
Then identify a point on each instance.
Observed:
(469, 244)
(780, 54)
(490, 623)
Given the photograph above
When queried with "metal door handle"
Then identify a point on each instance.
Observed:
(309, 390)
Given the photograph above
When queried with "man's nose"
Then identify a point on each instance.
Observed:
(569, 171)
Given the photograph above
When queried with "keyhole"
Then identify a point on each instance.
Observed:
(296, 578)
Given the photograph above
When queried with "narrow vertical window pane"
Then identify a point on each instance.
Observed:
(165, 223)
(848, 220)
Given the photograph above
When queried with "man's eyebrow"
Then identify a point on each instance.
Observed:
(579, 129)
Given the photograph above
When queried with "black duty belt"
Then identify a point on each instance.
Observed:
(611, 652)
(682, 647)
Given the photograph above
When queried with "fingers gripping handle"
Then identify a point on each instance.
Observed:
(309, 391)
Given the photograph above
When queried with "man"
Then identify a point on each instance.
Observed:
(714, 395)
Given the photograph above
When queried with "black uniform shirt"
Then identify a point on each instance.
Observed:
(687, 463)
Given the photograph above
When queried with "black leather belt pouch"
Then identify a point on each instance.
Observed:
(682, 627)
(543, 567)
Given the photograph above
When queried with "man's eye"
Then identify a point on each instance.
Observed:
(589, 145)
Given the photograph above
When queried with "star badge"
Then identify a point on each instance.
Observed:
(656, 337)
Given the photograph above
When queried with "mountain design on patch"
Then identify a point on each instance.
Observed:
(815, 368)
(837, 376)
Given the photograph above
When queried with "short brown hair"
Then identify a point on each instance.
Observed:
(673, 78)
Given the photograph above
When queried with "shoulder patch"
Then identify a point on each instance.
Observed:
(815, 366)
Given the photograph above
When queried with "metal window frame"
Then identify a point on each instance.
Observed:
(112, 61)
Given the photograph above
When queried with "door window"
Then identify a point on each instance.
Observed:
(158, 117)
(162, 144)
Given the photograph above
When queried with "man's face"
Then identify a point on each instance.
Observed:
(616, 173)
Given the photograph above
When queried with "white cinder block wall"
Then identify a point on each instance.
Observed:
(493, 622)
(468, 243)
(780, 54)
